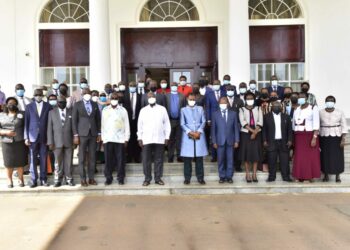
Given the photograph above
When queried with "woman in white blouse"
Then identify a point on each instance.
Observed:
(306, 125)
(332, 139)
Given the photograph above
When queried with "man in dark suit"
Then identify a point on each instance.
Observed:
(133, 101)
(87, 133)
(277, 136)
(276, 88)
(60, 140)
(35, 135)
(160, 98)
(225, 138)
(175, 101)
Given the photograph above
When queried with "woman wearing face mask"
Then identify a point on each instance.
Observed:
(164, 88)
(251, 119)
(15, 153)
(306, 125)
(200, 99)
(305, 87)
(333, 131)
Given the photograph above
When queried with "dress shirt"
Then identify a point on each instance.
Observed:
(217, 95)
(174, 107)
(230, 100)
(153, 126)
(333, 123)
(141, 91)
(307, 119)
(115, 126)
(39, 107)
(133, 100)
(87, 104)
(278, 130)
(22, 103)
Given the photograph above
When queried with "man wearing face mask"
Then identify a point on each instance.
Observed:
(253, 88)
(242, 90)
(225, 137)
(115, 133)
(274, 87)
(35, 135)
(60, 140)
(164, 88)
(160, 98)
(184, 88)
(227, 82)
(23, 101)
(305, 87)
(108, 89)
(193, 144)
(286, 100)
(87, 133)
(77, 94)
(153, 132)
(54, 88)
(175, 102)
(234, 102)
(121, 86)
(52, 101)
(133, 100)
(141, 87)
(277, 137)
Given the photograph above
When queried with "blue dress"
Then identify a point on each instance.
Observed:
(193, 119)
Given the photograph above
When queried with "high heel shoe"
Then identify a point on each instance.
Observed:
(248, 180)
(325, 178)
(10, 185)
(255, 180)
(337, 179)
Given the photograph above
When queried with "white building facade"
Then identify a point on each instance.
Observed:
(319, 53)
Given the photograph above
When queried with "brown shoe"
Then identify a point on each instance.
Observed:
(84, 184)
(92, 182)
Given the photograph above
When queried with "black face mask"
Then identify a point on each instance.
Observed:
(195, 91)
(287, 95)
(304, 90)
(63, 91)
(264, 96)
(203, 83)
(294, 100)
(153, 89)
(62, 105)
(12, 107)
(276, 110)
(273, 99)
(108, 91)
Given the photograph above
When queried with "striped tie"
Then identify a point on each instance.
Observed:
(63, 118)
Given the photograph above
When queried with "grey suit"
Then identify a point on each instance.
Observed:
(87, 127)
(176, 131)
(160, 100)
(61, 137)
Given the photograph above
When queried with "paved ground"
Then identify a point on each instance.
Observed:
(176, 222)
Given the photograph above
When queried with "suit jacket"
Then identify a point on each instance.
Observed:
(84, 124)
(268, 131)
(280, 92)
(36, 127)
(212, 104)
(222, 131)
(181, 104)
(127, 101)
(236, 104)
(160, 100)
(58, 135)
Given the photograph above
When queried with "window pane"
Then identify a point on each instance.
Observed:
(282, 72)
(253, 71)
(62, 74)
(47, 75)
(265, 72)
(296, 87)
(297, 72)
(77, 74)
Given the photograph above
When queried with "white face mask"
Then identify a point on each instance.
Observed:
(114, 103)
(87, 97)
(45, 92)
(223, 106)
(141, 85)
(174, 89)
(230, 93)
(191, 103)
(183, 83)
(330, 105)
(274, 83)
(250, 102)
(242, 91)
(122, 88)
(216, 87)
(152, 100)
(94, 98)
(163, 85)
(226, 82)
(252, 86)
(202, 91)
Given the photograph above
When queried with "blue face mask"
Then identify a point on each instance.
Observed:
(174, 89)
(330, 105)
(55, 86)
(230, 93)
(20, 92)
(132, 89)
(216, 87)
(53, 102)
(83, 85)
(301, 101)
(103, 98)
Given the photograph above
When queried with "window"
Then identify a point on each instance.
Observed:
(65, 11)
(274, 9)
(169, 10)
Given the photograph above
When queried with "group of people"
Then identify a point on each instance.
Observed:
(139, 121)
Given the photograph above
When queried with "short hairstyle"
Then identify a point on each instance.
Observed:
(330, 97)
(52, 95)
(305, 83)
(183, 77)
(11, 98)
(249, 94)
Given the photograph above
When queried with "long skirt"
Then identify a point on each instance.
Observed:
(250, 150)
(307, 163)
(332, 155)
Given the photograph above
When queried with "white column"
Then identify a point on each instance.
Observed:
(239, 51)
(100, 62)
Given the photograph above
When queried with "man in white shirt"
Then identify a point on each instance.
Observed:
(23, 101)
(115, 132)
(153, 134)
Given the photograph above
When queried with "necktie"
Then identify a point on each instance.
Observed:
(224, 115)
(132, 104)
(88, 110)
(252, 121)
(63, 118)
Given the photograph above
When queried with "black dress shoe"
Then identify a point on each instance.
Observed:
(326, 178)
(121, 182)
(170, 160)
(160, 182)
(230, 180)
(21, 184)
(179, 159)
(213, 160)
(146, 183)
(187, 182)
(57, 184)
(222, 180)
(10, 185)
(270, 180)
(92, 182)
(33, 185)
(108, 182)
(202, 182)
(238, 169)
(83, 183)
(45, 184)
(26, 173)
(288, 180)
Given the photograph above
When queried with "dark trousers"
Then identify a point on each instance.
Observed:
(188, 168)
(156, 152)
(283, 156)
(225, 161)
(134, 150)
(114, 160)
(63, 164)
(35, 149)
(87, 145)
(175, 139)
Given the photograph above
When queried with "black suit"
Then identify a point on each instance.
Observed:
(277, 147)
(134, 150)
(87, 127)
(279, 90)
